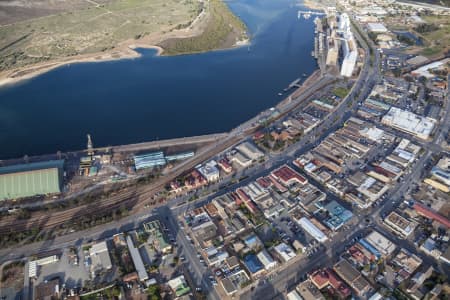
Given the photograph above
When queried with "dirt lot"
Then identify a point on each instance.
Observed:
(50, 29)
(12, 277)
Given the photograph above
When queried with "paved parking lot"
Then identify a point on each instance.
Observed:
(73, 276)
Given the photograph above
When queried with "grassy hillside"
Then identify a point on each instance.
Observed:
(222, 30)
(89, 29)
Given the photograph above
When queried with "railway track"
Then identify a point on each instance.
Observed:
(133, 199)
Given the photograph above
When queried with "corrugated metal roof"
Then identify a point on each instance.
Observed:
(29, 180)
(32, 166)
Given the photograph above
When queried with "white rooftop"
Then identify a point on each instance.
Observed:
(286, 252)
(376, 27)
(409, 122)
(381, 243)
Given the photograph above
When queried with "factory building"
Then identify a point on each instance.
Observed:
(26, 180)
(149, 160)
(180, 156)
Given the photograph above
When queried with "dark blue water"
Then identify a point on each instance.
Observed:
(150, 98)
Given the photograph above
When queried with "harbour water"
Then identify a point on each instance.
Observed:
(148, 98)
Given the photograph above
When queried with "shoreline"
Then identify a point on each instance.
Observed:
(13, 76)
(124, 50)
(295, 93)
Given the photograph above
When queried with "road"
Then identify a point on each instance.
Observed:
(289, 276)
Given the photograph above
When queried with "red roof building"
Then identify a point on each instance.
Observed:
(288, 176)
(326, 277)
(264, 182)
(225, 166)
(429, 213)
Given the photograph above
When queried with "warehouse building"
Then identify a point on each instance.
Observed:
(312, 230)
(26, 180)
(100, 258)
(250, 150)
(137, 260)
(409, 122)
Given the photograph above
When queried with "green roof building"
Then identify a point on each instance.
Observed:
(26, 180)
(157, 236)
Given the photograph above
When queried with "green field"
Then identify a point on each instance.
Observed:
(223, 30)
(90, 29)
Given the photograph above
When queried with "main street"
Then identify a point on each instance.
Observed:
(290, 274)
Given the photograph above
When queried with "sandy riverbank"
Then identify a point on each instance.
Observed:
(28, 72)
(124, 50)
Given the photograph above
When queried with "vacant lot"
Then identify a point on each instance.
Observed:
(82, 27)
(12, 278)
(437, 38)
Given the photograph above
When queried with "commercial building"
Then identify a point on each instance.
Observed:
(157, 237)
(284, 252)
(350, 51)
(408, 264)
(381, 243)
(441, 171)
(26, 180)
(179, 286)
(293, 295)
(352, 277)
(149, 160)
(445, 257)
(267, 260)
(409, 122)
(429, 213)
(430, 248)
(377, 28)
(308, 291)
(242, 160)
(338, 215)
(100, 257)
(137, 260)
(287, 176)
(253, 265)
(326, 278)
(312, 230)
(210, 171)
(400, 224)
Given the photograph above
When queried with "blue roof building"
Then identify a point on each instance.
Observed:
(339, 215)
(253, 264)
(149, 160)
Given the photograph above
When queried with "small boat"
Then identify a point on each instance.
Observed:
(304, 75)
(280, 94)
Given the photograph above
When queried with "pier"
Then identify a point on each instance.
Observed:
(308, 13)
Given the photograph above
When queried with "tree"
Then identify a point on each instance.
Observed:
(154, 292)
